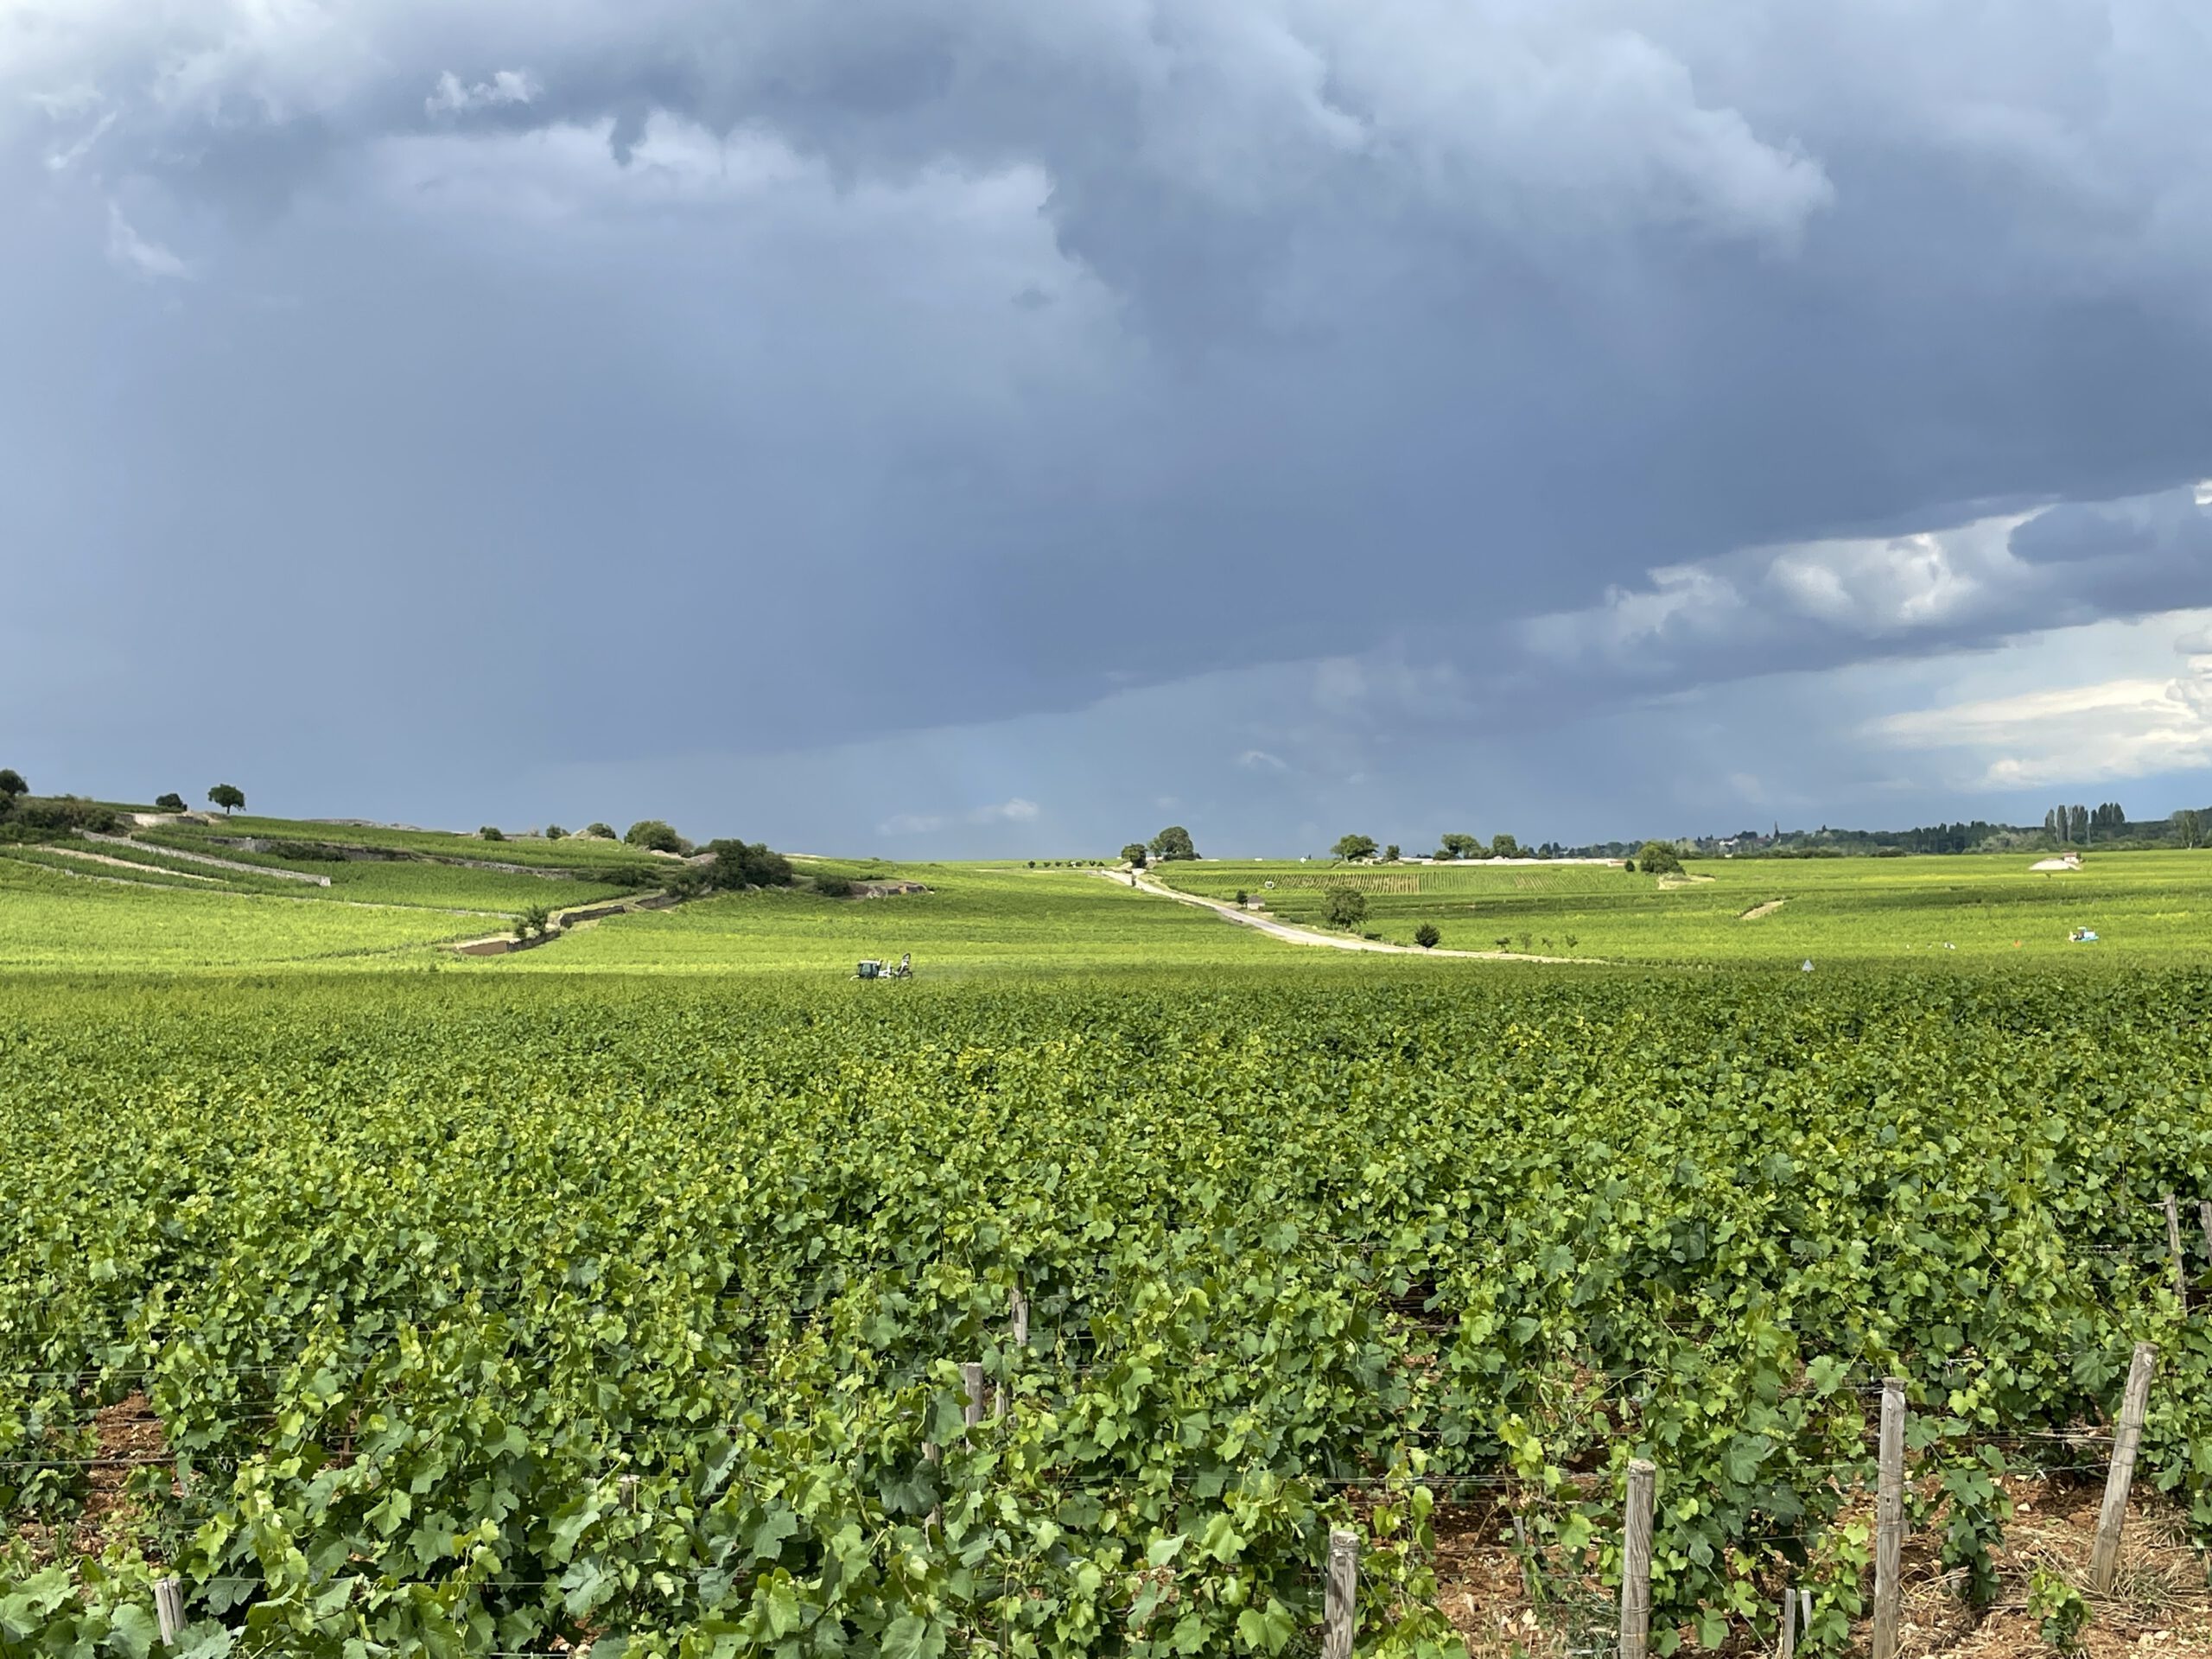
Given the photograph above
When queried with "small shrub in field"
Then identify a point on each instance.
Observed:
(1426, 936)
(833, 886)
(171, 802)
(533, 923)
(490, 832)
(555, 832)
(2058, 1610)
(1656, 858)
(598, 831)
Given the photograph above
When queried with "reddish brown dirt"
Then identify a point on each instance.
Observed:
(129, 1438)
(2160, 1607)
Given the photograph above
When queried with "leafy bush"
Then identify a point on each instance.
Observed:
(746, 864)
(555, 832)
(654, 837)
(833, 886)
(490, 832)
(169, 803)
(598, 831)
(1345, 906)
(50, 817)
(1133, 855)
(535, 923)
(12, 784)
(1656, 858)
(1426, 936)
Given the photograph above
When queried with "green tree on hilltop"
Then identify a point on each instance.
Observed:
(1172, 843)
(229, 797)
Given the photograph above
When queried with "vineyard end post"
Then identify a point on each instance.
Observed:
(1341, 1615)
(2173, 1248)
(2113, 1515)
(168, 1609)
(1889, 1521)
(1636, 1560)
(971, 1386)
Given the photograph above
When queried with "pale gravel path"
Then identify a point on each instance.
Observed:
(1290, 935)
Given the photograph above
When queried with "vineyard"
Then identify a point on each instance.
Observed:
(479, 1316)
(1766, 912)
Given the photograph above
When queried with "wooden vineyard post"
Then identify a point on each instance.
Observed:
(1636, 1560)
(971, 1386)
(2204, 1223)
(1787, 1648)
(933, 1455)
(1889, 1521)
(2105, 1561)
(2173, 1248)
(168, 1609)
(626, 1489)
(1340, 1616)
(1017, 1311)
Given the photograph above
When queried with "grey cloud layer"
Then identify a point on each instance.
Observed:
(876, 366)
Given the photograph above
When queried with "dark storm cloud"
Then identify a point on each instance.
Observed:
(649, 376)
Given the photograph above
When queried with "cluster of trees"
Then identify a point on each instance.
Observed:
(1346, 907)
(2078, 826)
(737, 865)
(1656, 858)
(1170, 844)
(1354, 849)
(24, 816)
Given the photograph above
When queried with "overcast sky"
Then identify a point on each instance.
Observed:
(987, 427)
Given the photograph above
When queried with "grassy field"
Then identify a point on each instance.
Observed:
(51, 922)
(404, 1262)
(104, 906)
(977, 919)
(484, 1316)
(986, 918)
(1762, 911)
(572, 851)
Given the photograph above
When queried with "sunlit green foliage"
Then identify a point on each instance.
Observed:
(416, 1268)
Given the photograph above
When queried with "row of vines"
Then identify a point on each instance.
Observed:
(500, 1319)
